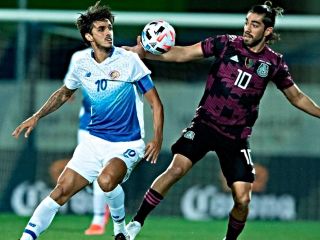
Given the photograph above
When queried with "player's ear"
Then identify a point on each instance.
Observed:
(88, 37)
(268, 31)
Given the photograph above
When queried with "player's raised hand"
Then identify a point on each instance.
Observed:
(28, 124)
(137, 48)
(152, 151)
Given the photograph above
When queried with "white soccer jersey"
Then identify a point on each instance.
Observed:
(115, 87)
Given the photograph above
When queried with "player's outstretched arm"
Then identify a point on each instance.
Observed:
(154, 146)
(179, 54)
(175, 54)
(57, 99)
(298, 99)
(28, 124)
(137, 48)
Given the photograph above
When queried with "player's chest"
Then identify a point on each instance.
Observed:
(115, 70)
(245, 71)
(102, 86)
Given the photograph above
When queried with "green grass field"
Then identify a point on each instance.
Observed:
(160, 228)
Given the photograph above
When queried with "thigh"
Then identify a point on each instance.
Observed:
(114, 171)
(179, 166)
(68, 184)
(181, 162)
(235, 160)
(72, 180)
(130, 153)
(86, 160)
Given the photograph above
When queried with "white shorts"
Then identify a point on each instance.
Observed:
(82, 134)
(93, 153)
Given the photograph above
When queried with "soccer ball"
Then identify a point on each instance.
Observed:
(158, 37)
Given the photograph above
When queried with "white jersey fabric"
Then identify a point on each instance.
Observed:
(115, 88)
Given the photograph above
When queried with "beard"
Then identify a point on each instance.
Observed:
(254, 42)
(105, 48)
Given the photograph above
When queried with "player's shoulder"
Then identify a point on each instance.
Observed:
(229, 38)
(118, 51)
(81, 54)
(233, 38)
(272, 52)
(273, 56)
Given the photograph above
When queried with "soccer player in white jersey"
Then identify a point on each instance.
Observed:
(115, 81)
(100, 208)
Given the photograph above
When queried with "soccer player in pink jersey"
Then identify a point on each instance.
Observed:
(242, 68)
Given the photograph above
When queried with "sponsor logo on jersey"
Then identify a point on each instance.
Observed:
(189, 135)
(263, 70)
(114, 74)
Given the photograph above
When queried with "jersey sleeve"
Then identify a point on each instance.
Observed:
(283, 78)
(71, 80)
(144, 84)
(214, 46)
(139, 69)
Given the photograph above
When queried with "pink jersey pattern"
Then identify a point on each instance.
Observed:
(236, 83)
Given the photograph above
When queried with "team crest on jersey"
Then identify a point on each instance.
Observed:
(114, 74)
(189, 135)
(263, 70)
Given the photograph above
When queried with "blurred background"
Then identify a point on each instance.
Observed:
(36, 44)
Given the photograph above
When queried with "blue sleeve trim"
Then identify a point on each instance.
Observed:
(145, 84)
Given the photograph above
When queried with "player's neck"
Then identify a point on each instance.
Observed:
(257, 48)
(101, 54)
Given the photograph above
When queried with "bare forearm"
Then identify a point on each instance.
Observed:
(53, 103)
(171, 56)
(300, 100)
(175, 54)
(179, 54)
(154, 146)
(307, 105)
(158, 119)
(56, 100)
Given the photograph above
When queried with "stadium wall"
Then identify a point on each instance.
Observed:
(284, 145)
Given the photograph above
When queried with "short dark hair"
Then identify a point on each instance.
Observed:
(94, 13)
(269, 18)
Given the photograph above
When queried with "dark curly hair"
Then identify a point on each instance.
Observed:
(269, 18)
(94, 13)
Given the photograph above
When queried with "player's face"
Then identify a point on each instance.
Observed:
(102, 34)
(254, 30)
